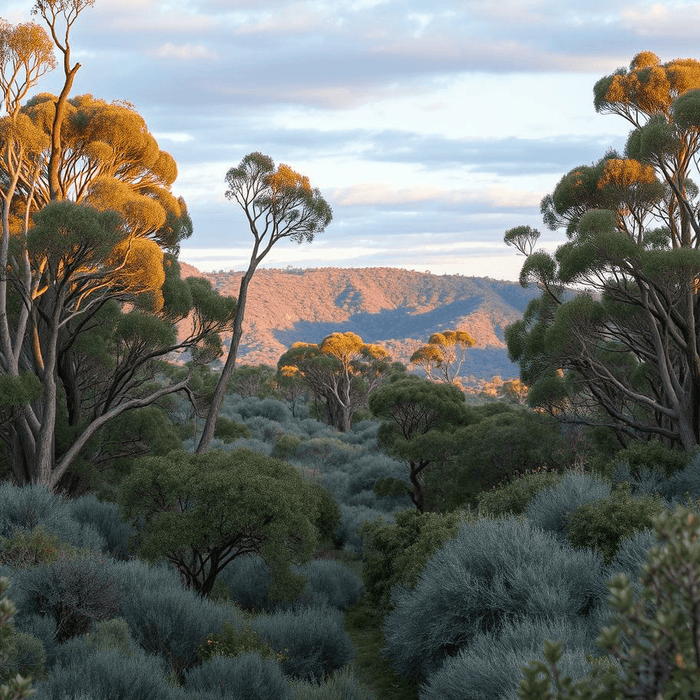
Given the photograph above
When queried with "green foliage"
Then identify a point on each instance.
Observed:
(20, 390)
(219, 505)
(602, 525)
(286, 446)
(654, 456)
(232, 641)
(328, 512)
(515, 496)
(652, 633)
(396, 553)
(16, 688)
(27, 548)
(228, 430)
(249, 380)
(339, 685)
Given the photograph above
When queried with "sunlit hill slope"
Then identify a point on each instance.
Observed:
(397, 308)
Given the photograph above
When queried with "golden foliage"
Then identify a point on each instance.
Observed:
(286, 179)
(624, 173)
(138, 264)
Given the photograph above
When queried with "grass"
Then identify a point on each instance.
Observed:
(364, 625)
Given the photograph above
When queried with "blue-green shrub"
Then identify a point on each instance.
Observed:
(103, 517)
(108, 675)
(490, 572)
(489, 667)
(243, 677)
(248, 578)
(339, 685)
(315, 640)
(353, 517)
(549, 508)
(271, 409)
(515, 496)
(170, 621)
(74, 591)
(44, 629)
(28, 506)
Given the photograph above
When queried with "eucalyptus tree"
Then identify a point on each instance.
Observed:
(90, 291)
(623, 351)
(443, 356)
(278, 203)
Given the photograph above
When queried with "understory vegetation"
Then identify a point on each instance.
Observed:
(382, 601)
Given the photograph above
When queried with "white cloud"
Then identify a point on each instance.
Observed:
(186, 52)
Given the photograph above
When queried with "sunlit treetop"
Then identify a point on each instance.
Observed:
(26, 53)
(647, 88)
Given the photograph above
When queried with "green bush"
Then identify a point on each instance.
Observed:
(286, 446)
(339, 685)
(232, 641)
(515, 496)
(27, 548)
(17, 687)
(603, 524)
(329, 514)
(654, 456)
(103, 517)
(228, 430)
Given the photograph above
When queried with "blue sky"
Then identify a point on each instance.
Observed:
(430, 127)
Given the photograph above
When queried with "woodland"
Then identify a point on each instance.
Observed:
(340, 526)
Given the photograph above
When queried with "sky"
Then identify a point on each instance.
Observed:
(430, 126)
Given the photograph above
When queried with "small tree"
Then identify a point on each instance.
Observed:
(200, 512)
(18, 688)
(418, 419)
(442, 358)
(278, 203)
(341, 371)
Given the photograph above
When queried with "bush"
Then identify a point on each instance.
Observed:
(23, 654)
(602, 525)
(489, 573)
(314, 639)
(549, 508)
(325, 452)
(245, 677)
(27, 548)
(353, 517)
(234, 640)
(18, 687)
(339, 685)
(103, 517)
(329, 515)
(27, 507)
(228, 430)
(248, 578)
(515, 496)
(285, 446)
(654, 456)
(329, 584)
(106, 674)
(168, 620)
(44, 629)
(396, 553)
(74, 591)
(490, 666)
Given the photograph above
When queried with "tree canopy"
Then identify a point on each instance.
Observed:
(443, 356)
(200, 512)
(341, 371)
(623, 350)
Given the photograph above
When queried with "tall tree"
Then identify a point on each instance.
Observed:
(340, 371)
(624, 353)
(90, 289)
(278, 203)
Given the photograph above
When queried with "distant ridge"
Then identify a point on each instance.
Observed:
(397, 308)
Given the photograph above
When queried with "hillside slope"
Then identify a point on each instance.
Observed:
(397, 308)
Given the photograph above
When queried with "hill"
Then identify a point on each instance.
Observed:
(397, 308)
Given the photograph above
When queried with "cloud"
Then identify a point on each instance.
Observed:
(187, 52)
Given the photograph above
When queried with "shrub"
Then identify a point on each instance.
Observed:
(515, 496)
(168, 620)
(339, 685)
(245, 677)
(353, 517)
(106, 674)
(248, 578)
(74, 591)
(654, 456)
(329, 515)
(17, 687)
(28, 506)
(234, 640)
(329, 584)
(103, 517)
(228, 430)
(490, 572)
(271, 409)
(490, 666)
(285, 446)
(396, 553)
(325, 452)
(549, 508)
(27, 548)
(42, 628)
(315, 640)
(602, 525)
(657, 638)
